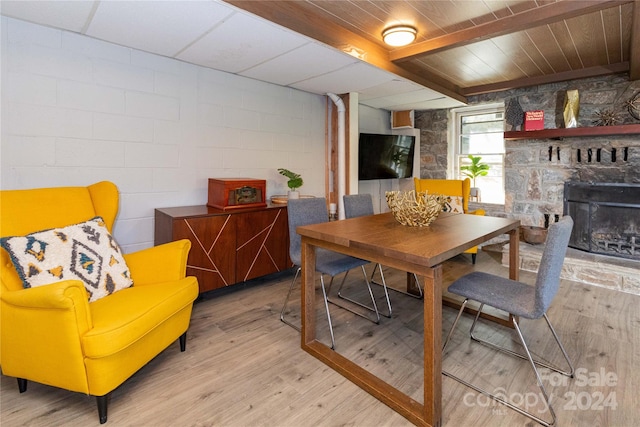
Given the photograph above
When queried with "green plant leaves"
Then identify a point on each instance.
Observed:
(295, 180)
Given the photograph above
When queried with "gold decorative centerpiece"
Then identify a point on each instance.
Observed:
(415, 209)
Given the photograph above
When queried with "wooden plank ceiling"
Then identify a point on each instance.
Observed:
(468, 47)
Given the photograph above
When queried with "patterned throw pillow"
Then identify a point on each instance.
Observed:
(453, 204)
(84, 251)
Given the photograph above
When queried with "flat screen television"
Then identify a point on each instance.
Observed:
(385, 156)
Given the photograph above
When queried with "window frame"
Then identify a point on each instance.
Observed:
(454, 144)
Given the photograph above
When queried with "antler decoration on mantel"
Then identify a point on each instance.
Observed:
(633, 105)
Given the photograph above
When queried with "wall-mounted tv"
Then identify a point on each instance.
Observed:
(385, 156)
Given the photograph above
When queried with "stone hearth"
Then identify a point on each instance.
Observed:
(593, 269)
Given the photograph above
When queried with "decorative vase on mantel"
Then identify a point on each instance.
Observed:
(571, 109)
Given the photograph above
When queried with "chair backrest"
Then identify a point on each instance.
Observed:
(27, 211)
(300, 212)
(550, 268)
(357, 205)
(447, 187)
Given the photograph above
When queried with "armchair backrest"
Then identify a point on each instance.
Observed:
(448, 187)
(27, 211)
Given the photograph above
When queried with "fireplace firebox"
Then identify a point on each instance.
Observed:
(606, 217)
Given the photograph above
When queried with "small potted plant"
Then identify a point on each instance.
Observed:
(474, 170)
(295, 182)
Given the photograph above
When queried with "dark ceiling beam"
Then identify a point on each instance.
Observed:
(634, 60)
(621, 67)
(543, 15)
(291, 15)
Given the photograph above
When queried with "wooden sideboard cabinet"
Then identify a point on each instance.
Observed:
(228, 247)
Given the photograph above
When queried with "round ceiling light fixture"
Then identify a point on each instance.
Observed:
(399, 35)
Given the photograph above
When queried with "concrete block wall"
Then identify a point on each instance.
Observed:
(76, 110)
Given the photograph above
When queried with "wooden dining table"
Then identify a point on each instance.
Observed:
(420, 250)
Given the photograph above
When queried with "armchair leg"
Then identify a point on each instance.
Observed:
(22, 385)
(102, 408)
(183, 342)
(473, 258)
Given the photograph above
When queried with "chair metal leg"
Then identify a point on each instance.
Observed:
(384, 286)
(22, 385)
(286, 302)
(538, 380)
(528, 357)
(373, 308)
(415, 276)
(507, 403)
(455, 322)
(564, 352)
(554, 368)
(326, 306)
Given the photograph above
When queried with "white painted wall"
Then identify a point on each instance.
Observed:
(76, 110)
(372, 120)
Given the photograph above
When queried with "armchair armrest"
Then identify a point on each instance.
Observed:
(37, 320)
(480, 212)
(160, 263)
(57, 296)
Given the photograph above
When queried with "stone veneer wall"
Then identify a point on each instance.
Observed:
(433, 126)
(533, 183)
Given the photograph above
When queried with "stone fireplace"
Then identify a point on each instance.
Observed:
(536, 170)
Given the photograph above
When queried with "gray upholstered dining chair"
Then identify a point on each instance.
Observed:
(360, 205)
(313, 211)
(520, 300)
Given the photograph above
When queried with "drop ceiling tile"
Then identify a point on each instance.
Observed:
(353, 78)
(424, 99)
(219, 36)
(241, 42)
(394, 87)
(162, 27)
(404, 98)
(305, 62)
(69, 15)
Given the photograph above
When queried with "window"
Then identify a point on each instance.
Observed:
(479, 131)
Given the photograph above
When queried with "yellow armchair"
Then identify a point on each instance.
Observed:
(52, 335)
(451, 187)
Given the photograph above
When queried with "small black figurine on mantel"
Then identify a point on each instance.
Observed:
(514, 115)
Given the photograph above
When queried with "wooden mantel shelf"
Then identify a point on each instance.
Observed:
(633, 129)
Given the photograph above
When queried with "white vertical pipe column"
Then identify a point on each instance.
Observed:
(342, 179)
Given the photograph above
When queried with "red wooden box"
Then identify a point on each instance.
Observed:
(234, 193)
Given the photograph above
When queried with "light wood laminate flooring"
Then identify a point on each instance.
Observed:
(243, 367)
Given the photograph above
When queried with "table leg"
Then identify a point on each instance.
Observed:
(308, 293)
(514, 254)
(433, 346)
(514, 260)
(427, 414)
